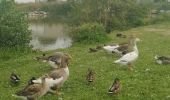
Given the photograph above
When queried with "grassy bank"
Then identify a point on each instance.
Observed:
(148, 81)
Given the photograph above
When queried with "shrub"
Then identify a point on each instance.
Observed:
(89, 33)
(14, 27)
(163, 17)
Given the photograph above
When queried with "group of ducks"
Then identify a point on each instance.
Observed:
(53, 81)
(50, 82)
(128, 53)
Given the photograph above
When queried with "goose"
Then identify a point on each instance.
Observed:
(35, 91)
(54, 60)
(14, 78)
(130, 57)
(162, 59)
(110, 48)
(115, 87)
(61, 73)
(121, 48)
(124, 48)
(90, 75)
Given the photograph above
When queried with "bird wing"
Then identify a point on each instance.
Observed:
(128, 57)
(30, 90)
(56, 73)
(110, 48)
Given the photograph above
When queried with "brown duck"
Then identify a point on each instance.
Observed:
(90, 76)
(115, 87)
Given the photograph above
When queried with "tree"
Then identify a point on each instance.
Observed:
(13, 26)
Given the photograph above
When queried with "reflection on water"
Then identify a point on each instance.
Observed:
(47, 36)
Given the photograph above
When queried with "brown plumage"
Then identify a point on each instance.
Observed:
(93, 50)
(33, 91)
(54, 60)
(90, 75)
(125, 48)
(162, 60)
(120, 35)
(115, 87)
(63, 71)
(14, 78)
(98, 47)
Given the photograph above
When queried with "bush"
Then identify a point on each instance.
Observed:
(113, 14)
(14, 27)
(89, 33)
(163, 17)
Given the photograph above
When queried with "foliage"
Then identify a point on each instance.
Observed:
(89, 33)
(148, 80)
(14, 27)
(162, 17)
(113, 14)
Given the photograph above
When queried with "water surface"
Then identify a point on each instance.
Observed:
(49, 36)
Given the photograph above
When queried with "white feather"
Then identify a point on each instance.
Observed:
(53, 64)
(50, 81)
(129, 57)
(110, 48)
(19, 97)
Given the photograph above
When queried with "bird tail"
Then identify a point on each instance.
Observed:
(117, 61)
(156, 57)
(20, 97)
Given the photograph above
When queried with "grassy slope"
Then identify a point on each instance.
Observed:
(136, 85)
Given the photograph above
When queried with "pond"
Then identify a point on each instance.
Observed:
(49, 36)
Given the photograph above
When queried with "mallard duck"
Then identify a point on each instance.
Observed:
(34, 91)
(14, 78)
(54, 60)
(98, 47)
(115, 87)
(90, 75)
(120, 35)
(130, 57)
(61, 73)
(93, 50)
(31, 81)
(162, 59)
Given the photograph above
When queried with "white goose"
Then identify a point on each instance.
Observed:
(110, 48)
(59, 75)
(120, 49)
(130, 57)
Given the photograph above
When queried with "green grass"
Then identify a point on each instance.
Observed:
(136, 85)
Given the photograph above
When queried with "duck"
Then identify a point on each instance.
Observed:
(120, 35)
(115, 87)
(36, 90)
(130, 57)
(54, 60)
(93, 50)
(90, 76)
(14, 78)
(31, 80)
(162, 60)
(61, 73)
(98, 47)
